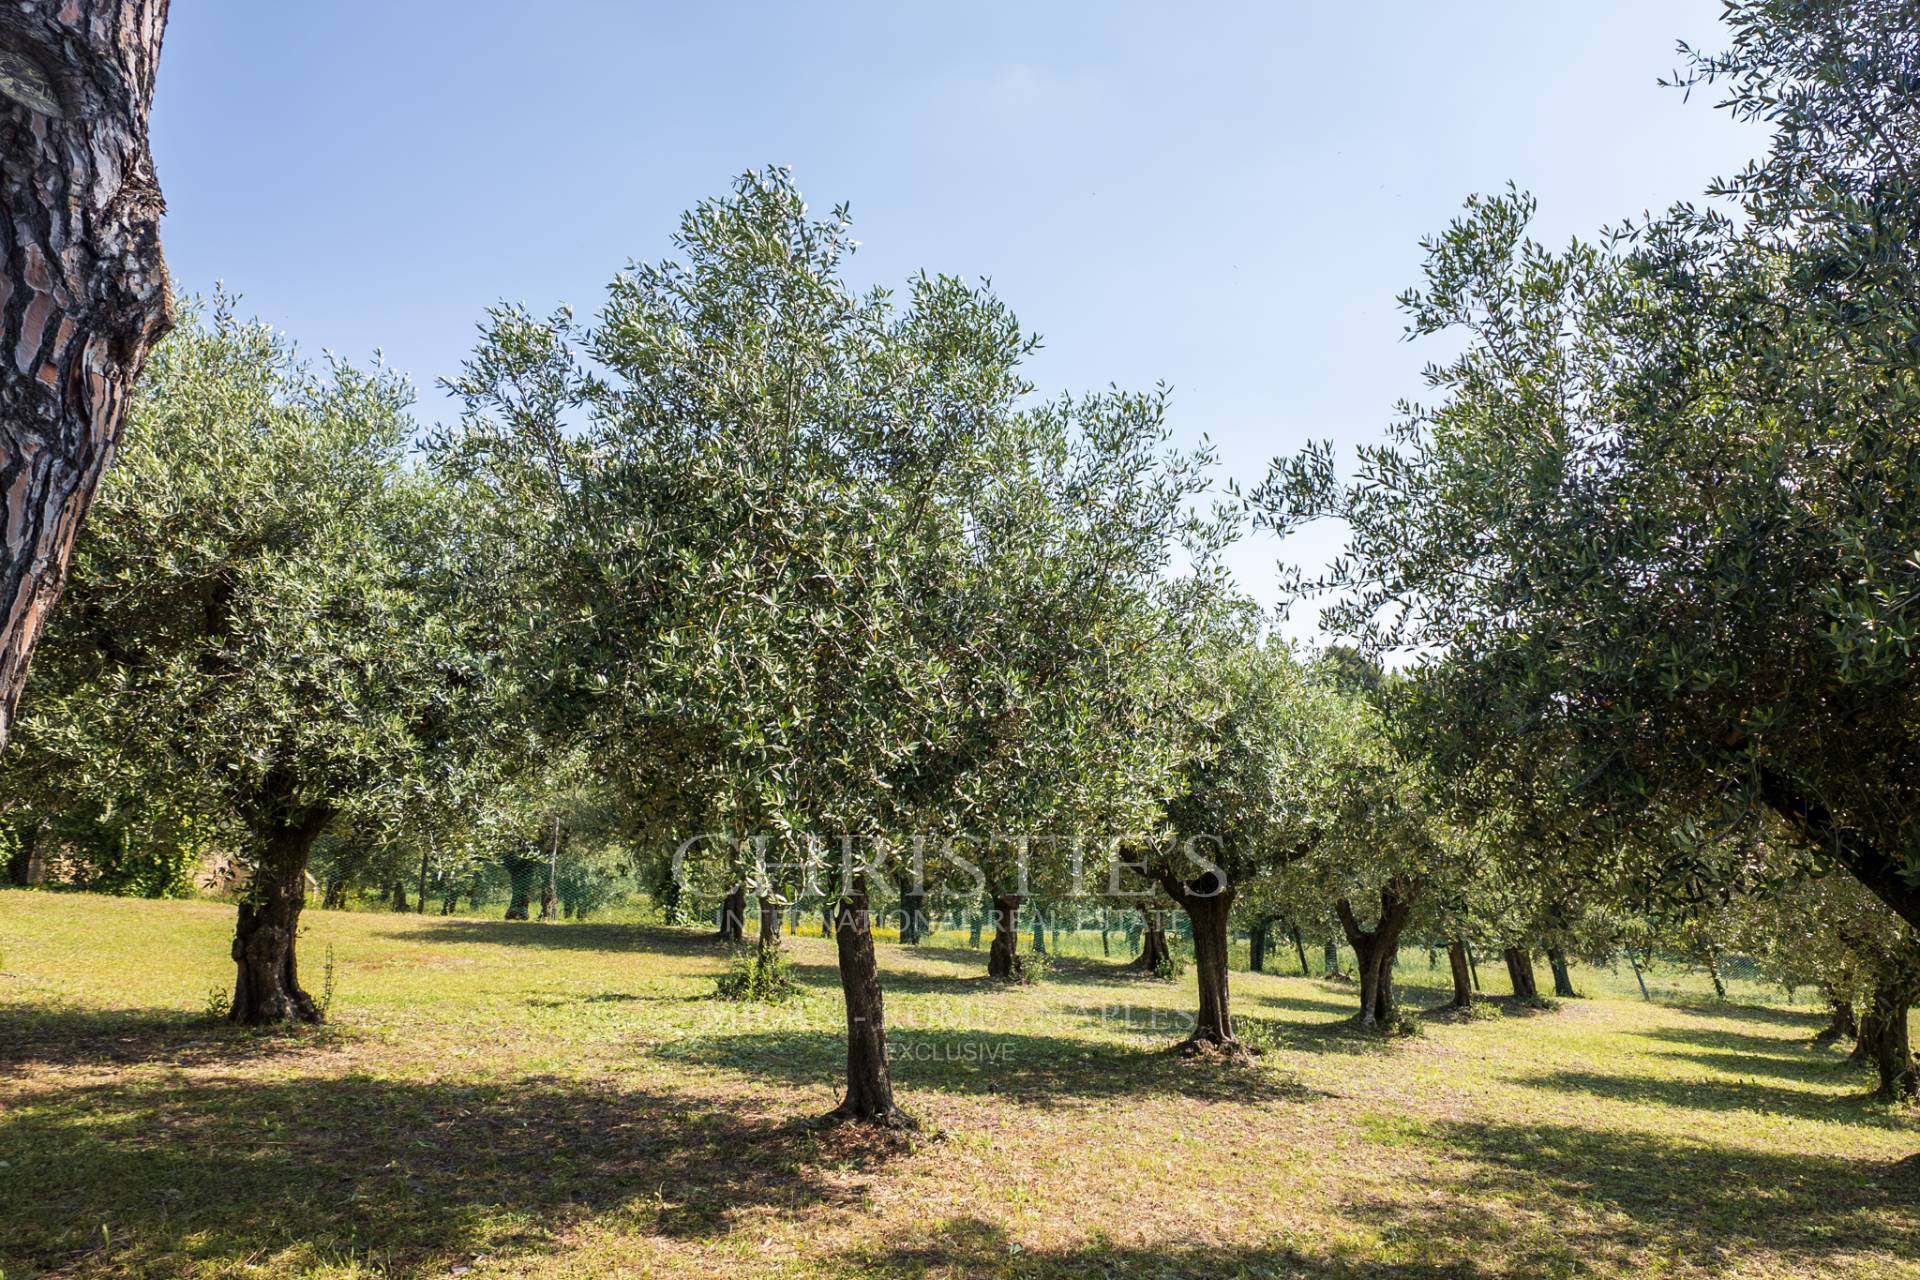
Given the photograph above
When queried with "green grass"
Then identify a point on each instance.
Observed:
(569, 1100)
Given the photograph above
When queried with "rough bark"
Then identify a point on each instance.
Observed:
(1562, 974)
(1003, 961)
(1153, 943)
(83, 286)
(1842, 1025)
(20, 861)
(1520, 973)
(266, 983)
(1462, 974)
(1208, 901)
(733, 915)
(1872, 866)
(869, 1097)
(1884, 1031)
(550, 891)
(519, 887)
(913, 912)
(769, 939)
(1376, 949)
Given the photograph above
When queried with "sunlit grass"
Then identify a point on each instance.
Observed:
(569, 1100)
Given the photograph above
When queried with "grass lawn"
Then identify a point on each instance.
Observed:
(568, 1100)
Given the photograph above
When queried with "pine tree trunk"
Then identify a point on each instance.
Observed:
(267, 983)
(1003, 961)
(83, 286)
(869, 1097)
(1562, 975)
(1462, 975)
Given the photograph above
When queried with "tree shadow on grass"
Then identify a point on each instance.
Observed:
(562, 936)
(70, 1037)
(1036, 1070)
(1722, 1094)
(981, 1250)
(1712, 1204)
(1810, 1020)
(152, 1177)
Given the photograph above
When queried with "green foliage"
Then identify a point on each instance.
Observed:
(1655, 531)
(255, 622)
(758, 974)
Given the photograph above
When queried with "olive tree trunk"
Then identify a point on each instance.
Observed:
(1842, 1025)
(1154, 952)
(1003, 960)
(1376, 949)
(1520, 973)
(733, 915)
(769, 939)
(1208, 901)
(869, 1097)
(83, 286)
(1884, 1033)
(1562, 974)
(267, 984)
(1462, 974)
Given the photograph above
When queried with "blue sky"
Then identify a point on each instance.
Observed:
(1225, 197)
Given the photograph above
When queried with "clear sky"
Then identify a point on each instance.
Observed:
(1226, 197)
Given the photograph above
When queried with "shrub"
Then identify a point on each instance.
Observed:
(758, 975)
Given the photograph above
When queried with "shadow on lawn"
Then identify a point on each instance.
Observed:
(1725, 1094)
(98, 1037)
(1036, 1070)
(147, 1177)
(1712, 1204)
(562, 936)
(981, 1250)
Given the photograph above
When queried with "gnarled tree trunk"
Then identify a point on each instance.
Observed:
(1520, 973)
(1208, 900)
(83, 286)
(869, 1083)
(1003, 960)
(913, 911)
(1462, 974)
(1562, 974)
(1375, 950)
(769, 939)
(267, 985)
(1842, 1025)
(733, 915)
(1154, 952)
(1884, 1034)
(520, 872)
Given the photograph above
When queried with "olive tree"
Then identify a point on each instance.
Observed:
(252, 627)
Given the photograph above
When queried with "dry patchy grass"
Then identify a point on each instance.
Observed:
(499, 1099)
